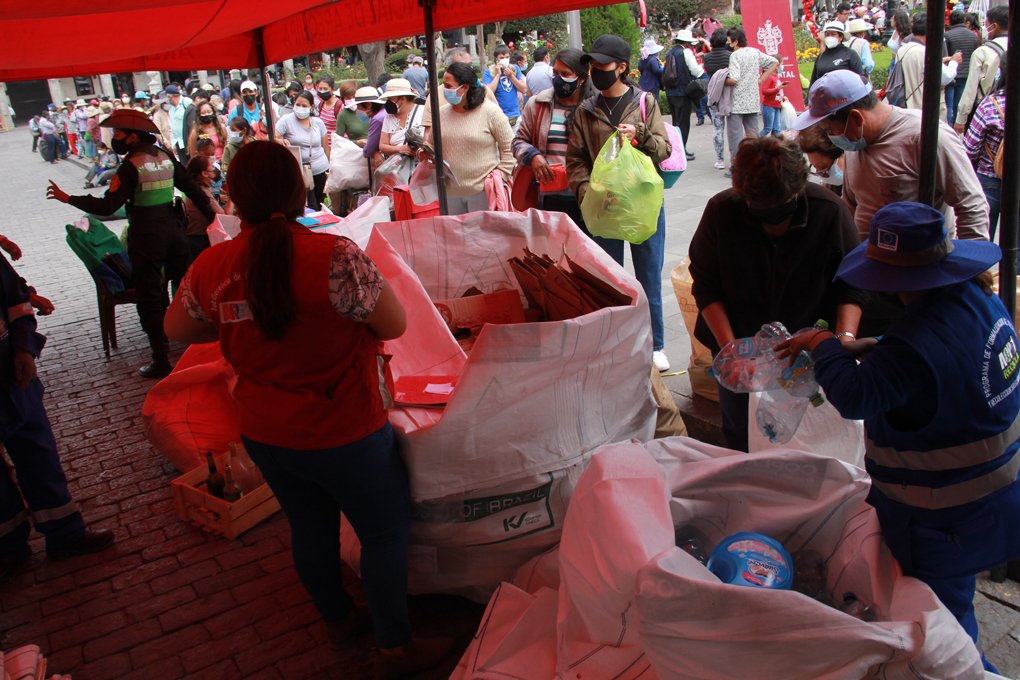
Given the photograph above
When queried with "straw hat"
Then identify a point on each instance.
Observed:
(398, 87)
(651, 47)
(91, 111)
(858, 26)
(365, 95)
(837, 26)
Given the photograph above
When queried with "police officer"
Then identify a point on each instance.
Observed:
(940, 401)
(26, 434)
(156, 241)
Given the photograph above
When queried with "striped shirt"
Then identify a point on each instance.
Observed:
(556, 147)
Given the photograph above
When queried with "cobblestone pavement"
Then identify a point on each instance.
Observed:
(169, 601)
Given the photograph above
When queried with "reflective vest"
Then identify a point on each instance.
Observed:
(966, 451)
(155, 178)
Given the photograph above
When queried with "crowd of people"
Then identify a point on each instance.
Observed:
(856, 249)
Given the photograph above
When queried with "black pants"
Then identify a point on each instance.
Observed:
(156, 244)
(35, 141)
(318, 194)
(681, 107)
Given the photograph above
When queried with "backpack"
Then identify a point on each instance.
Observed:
(670, 75)
(895, 90)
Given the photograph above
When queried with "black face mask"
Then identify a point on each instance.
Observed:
(562, 88)
(249, 99)
(391, 107)
(119, 146)
(603, 80)
(326, 96)
(207, 118)
(776, 215)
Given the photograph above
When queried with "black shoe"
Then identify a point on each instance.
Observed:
(342, 635)
(155, 370)
(90, 542)
(12, 564)
(700, 122)
(690, 156)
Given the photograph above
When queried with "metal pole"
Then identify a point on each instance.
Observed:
(267, 98)
(437, 132)
(1009, 215)
(574, 29)
(931, 104)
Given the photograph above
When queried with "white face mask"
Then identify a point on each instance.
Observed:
(504, 63)
(302, 112)
(831, 41)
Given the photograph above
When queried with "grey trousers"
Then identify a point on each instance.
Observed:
(740, 125)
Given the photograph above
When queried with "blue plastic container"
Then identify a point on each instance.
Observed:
(750, 559)
(669, 177)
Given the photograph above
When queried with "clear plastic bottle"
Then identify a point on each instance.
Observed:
(779, 414)
(750, 364)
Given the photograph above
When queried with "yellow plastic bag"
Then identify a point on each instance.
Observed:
(624, 193)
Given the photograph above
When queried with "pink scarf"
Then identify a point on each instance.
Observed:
(498, 192)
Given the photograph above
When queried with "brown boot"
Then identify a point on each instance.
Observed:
(419, 655)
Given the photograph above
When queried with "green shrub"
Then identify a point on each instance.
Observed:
(397, 62)
(612, 19)
(731, 21)
(879, 76)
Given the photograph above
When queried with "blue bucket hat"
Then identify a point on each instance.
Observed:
(908, 249)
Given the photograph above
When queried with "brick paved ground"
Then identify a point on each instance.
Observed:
(169, 601)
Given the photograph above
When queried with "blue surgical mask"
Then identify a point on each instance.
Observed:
(452, 96)
(363, 117)
(847, 144)
(833, 175)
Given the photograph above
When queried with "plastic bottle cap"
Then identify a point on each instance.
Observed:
(817, 399)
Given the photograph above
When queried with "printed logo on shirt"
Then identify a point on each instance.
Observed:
(888, 240)
(1006, 358)
(233, 312)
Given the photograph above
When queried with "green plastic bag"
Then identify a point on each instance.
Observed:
(624, 193)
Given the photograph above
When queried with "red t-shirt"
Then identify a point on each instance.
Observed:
(318, 387)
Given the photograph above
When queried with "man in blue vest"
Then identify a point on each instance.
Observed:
(25, 431)
(940, 402)
(156, 242)
(687, 69)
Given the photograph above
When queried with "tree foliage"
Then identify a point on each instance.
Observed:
(612, 19)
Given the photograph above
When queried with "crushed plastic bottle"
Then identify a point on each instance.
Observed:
(857, 609)
(809, 575)
(779, 414)
(750, 364)
(692, 542)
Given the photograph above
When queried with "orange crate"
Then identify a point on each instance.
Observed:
(215, 515)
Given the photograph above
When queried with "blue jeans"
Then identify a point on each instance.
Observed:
(771, 121)
(367, 481)
(954, 91)
(993, 193)
(702, 106)
(649, 258)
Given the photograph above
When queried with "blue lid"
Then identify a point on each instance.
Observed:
(752, 559)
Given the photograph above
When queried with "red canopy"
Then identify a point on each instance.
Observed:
(60, 38)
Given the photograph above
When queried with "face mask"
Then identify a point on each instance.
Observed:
(563, 87)
(233, 136)
(847, 144)
(524, 66)
(363, 117)
(126, 100)
(308, 84)
(603, 80)
(219, 107)
(302, 112)
(207, 118)
(833, 175)
(452, 95)
(391, 107)
(119, 146)
(831, 41)
(249, 99)
(774, 215)
(503, 63)
(325, 95)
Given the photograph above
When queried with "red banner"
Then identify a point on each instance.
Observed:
(770, 29)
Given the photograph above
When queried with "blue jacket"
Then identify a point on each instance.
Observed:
(651, 70)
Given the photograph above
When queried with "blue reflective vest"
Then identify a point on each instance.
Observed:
(966, 452)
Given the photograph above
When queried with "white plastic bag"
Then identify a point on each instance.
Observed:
(822, 431)
(623, 580)
(348, 167)
(787, 115)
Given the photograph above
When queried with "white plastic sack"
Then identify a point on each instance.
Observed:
(532, 397)
(357, 225)
(348, 167)
(223, 228)
(822, 431)
(623, 580)
(468, 544)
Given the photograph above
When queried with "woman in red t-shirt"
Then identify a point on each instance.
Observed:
(300, 317)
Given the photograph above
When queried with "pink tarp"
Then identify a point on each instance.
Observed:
(44, 40)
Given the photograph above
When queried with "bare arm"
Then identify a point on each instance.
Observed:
(719, 323)
(182, 327)
(388, 320)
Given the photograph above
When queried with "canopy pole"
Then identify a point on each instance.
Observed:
(434, 94)
(267, 97)
(1009, 210)
(931, 105)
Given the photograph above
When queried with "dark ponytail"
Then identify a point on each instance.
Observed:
(465, 75)
(265, 184)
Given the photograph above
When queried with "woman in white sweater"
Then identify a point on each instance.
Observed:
(476, 139)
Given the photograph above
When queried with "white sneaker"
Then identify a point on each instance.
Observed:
(660, 360)
(719, 165)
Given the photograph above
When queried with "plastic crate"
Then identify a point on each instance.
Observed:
(215, 515)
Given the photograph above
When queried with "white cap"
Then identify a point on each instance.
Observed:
(248, 85)
(837, 26)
